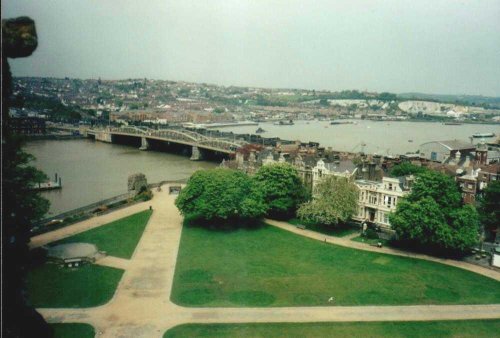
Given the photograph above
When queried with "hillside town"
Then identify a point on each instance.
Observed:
(169, 102)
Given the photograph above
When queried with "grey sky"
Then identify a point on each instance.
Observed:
(393, 45)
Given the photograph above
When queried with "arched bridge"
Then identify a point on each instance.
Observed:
(179, 136)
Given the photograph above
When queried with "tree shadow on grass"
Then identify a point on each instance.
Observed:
(338, 230)
(225, 225)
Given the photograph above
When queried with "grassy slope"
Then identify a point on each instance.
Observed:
(52, 286)
(118, 238)
(472, 328)
(73, 330)
(272, 267)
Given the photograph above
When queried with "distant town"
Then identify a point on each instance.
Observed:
(168, 102)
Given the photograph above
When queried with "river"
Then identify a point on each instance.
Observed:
(92, 171)
(384, 138)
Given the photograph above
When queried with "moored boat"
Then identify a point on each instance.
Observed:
(481, 135)
(284, 123)
(341, 122)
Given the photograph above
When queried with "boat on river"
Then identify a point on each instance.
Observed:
(342, 122)
(483, 135)
(260, 131)
(284, 123)
(452, 124)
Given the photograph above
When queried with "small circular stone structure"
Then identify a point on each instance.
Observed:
(73, 254)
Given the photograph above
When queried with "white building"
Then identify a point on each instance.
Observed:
(378, 199)
(338, 168)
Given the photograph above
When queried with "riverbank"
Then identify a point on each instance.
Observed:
(59, 137)
(95, 171)
(99, 208)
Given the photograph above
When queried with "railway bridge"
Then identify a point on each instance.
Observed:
(198, 143)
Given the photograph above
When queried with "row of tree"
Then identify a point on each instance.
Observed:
(226, 196)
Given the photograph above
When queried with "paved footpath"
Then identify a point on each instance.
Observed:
(88, 224)
(141, 305)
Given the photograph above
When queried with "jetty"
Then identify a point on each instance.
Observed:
(49, 185)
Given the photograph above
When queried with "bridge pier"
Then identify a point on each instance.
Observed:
(144, 144)
(195, 154)
(104, 136)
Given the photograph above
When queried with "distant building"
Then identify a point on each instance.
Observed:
(378, 199)
(344, 168)
(474, 181)
(27, 125)
(447, 151)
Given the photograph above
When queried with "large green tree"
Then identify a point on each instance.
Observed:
(220, 195)
(282, 189)
(489, 209)
(406, 168)
(441, 188)
(335, 200)
(433, 218)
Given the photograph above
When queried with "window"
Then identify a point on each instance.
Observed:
(390, 186)
(386, 218)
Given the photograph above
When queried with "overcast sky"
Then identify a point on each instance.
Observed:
(447, 47)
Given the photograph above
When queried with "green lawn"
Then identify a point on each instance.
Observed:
(471, 328)
(118, 238)
(73, 330)
(339, 230)
(52, 286)
(271, 267)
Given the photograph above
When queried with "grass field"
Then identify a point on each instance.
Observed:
(339, 230)
(73, 330)
(462, 329)
(52, 286)
(118, 238)
(271, 267)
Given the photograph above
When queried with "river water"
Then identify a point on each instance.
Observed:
(92, 171)
(384, 138)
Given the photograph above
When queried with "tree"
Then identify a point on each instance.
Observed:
(489, 209)
(405, 169)
(324, 102)
(432, 217)
(281, 188)
(443, 189)
(220, 195)
(21, 206)
(335, 200)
